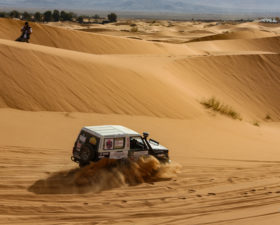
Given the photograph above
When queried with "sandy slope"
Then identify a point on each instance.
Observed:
(224, 191)
(60, 80)
(235, 35)
(224, 171)
(270, 44)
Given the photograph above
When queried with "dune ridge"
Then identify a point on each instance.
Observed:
(267, 44)
(235, 34)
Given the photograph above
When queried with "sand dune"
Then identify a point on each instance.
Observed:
(223, 171)
(114, 84)
(177, 32)
(270, 44)
(246, 90)
(86, 42)
(235, 34)
(55, 81)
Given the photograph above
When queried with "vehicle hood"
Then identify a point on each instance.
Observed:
(158, 147)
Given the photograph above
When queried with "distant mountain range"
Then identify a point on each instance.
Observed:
(179, 6)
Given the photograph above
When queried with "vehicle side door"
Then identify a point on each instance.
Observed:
(137, 148)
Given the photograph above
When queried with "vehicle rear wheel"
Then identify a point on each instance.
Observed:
(87, 155)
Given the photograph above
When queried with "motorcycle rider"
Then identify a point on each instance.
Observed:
(26, 32)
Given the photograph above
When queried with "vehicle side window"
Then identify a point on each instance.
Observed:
(137, 143)
(108, 144)
(114, 143)
(82, 137)
(119, 143)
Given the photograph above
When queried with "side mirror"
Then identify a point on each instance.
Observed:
(145, 135)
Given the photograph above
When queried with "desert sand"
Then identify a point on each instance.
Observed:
(223, 171)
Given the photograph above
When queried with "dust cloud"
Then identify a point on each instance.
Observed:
(104, 175)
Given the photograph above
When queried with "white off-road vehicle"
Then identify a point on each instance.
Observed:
(114, 142)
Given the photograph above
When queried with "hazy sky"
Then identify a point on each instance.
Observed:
(206, 6)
